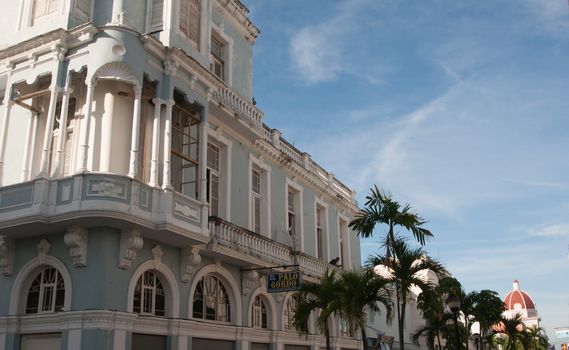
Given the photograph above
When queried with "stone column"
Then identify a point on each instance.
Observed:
(203, 156)
(155, 142)
(8, 103)
(166, 176)
(60, 151)
(84, 135)
(135, 135)
(28, 146)
(44, 164)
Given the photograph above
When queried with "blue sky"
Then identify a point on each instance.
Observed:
(459, 107)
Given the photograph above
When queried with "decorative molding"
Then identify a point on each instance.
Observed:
(7, 253)
(249, 282)
(77, 239)
(191, 260)
(157, 253)
(171, 66)
(43, 249)
(116, 71)
(131, 242)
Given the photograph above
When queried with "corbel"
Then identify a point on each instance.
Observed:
(77, 239)
(191, 260)
(130, 244)
(7, 252)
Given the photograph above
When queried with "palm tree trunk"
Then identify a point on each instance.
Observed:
(400, 319)
(327, 335)
(467, 331)
(439, 340)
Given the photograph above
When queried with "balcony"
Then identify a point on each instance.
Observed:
(256, 249)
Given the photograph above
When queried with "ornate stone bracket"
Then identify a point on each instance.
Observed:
(76, 238)
(7, 252)
(157, 253)
(249, 282)
(191, 260)
(43, 249)
(131, 242)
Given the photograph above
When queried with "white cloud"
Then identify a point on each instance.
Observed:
(555, 230)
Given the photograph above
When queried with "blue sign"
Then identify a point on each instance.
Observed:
(283, 281)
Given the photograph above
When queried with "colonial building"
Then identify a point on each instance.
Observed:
(140, 190)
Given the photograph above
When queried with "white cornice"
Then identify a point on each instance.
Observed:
(235, 11)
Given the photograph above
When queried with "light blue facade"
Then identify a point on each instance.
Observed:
(142, 198)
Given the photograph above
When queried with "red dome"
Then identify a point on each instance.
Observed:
(517, 299)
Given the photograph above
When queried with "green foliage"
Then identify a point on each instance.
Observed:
(381, 208)
(405, 267)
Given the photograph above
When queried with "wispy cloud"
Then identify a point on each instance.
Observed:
(554, 230)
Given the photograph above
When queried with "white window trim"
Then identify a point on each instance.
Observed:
(269, 304)
(231, 287)
(169, 283)
(255, 162)
(299, 211)
(227, 42)
(25, 18)
(325, 229)
(225, 147)
(25, 277)
(345, 264)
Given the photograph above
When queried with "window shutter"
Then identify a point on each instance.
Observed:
(195, 21)
(156, 19)
(184, 18)
(83, 10)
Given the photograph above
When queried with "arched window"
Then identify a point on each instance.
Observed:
(149, 296)
(46, 293)
(259, 313)
(211, 301)
(289, 310)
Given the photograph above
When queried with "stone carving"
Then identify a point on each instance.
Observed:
(6, 255)
(191, 260)
(131, 242)
(43, 249)
(157, 255)
(76, 238)
(249, 282)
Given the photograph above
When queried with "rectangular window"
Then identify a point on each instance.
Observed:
(217, 61)
(44, 8)
(185, 152)
(256, 200)
(213, 179)
(319, 234)
(343, 239)
(291, 215)
(190, 20)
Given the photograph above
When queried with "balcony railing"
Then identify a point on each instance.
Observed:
(269, 251)
(244, 109)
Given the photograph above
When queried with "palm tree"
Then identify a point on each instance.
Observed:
(361, 291)
(537, 340)
(513, 329)
(432, 304)
(381, 208)
(321, 297)
(487, 311)
(403, 272)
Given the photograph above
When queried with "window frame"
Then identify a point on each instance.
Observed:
(215, 137)
(297, 192)
(218, 34)
(258, 311)
(289, 307)
(185, 157)
(220, 288)
(321, 208)
(156, 282)
(264, 170)
(43, 286)
(344, 242)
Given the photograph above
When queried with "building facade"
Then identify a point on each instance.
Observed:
(141, 194)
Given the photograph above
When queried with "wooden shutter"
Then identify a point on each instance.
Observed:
(184, 16)
(195, 21)
(83, 10)
(156, 18)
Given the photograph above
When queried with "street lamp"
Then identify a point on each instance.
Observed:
(453, 304)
